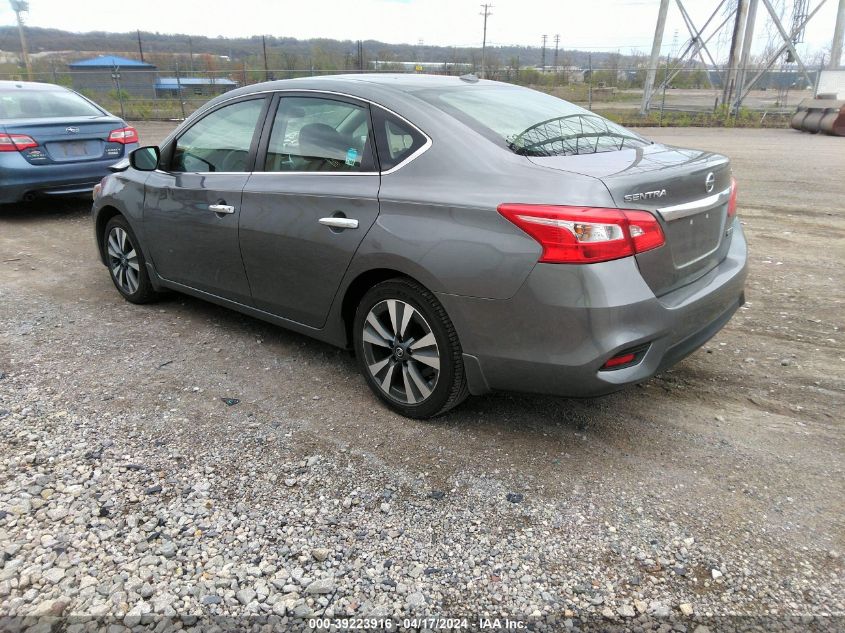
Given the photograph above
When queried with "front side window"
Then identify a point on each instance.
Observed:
(532, 123)
(319, 134)
(220, 141)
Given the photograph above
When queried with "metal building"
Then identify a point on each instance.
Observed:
(106, 72)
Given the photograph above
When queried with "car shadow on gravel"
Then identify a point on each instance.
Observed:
(506, 409)
(43, 208)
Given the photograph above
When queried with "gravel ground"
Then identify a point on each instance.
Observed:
(709, 498)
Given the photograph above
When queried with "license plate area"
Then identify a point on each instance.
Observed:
(66, 151)
(694, 237)
(75, 149)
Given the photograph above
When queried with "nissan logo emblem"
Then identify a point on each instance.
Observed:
(710, 182)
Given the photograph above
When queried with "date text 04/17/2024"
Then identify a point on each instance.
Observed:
(457, 624)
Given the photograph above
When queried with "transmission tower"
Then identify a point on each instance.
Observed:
(800, 11)
(740, 17)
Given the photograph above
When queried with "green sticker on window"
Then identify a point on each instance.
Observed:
(351, 156)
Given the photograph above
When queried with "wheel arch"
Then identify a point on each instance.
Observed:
(105, 214)
(358, 287)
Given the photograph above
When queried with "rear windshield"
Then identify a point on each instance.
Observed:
(20, 103)
(532, 123)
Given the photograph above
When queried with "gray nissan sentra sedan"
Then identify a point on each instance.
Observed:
(461, 236)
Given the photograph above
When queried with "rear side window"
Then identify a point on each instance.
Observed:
(42, 104)
(220, 141)
(396, 139)
(316, 134)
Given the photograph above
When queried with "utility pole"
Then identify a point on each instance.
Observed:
(557, 45)
(747, 41)
(140, 47)
(543, 64)
(838, 30)
(651, 75)
(264, 50)
(21, 6)
(191, 50)
(736, 49)
(485, 13)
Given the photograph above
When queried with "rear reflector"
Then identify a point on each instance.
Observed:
(124, 135)
(623, 359)
(584, 235)
(16, 142)
(732, 199)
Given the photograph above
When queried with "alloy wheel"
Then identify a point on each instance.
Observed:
(401, 352)
(123, 261)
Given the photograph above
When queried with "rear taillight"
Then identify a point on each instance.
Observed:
(616, 361)
(732, 199)
(583, 235)
(124, 135)
(16, 142)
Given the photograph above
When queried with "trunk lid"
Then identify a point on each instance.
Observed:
(676, 185)
(63, 140)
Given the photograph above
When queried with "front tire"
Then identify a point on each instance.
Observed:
(408, 350)
(126, 262)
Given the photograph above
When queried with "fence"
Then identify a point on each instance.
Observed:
(144, 94)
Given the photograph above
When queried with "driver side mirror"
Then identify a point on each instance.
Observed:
(145, 158)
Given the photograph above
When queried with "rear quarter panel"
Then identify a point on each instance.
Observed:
(438, 218)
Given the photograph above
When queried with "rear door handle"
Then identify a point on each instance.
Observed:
(221, 208)
(339, 223)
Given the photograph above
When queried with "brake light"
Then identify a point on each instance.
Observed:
(583, 235)
(16, 142)
(124, 135)
(732, 199)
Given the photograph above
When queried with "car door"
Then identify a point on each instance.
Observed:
(192, 207)
(310, 201)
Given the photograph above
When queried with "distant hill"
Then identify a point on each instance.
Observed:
(282, 52)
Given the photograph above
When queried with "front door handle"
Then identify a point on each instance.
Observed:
(221, 208)
(339, 223)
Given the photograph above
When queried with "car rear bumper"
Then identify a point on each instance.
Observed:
(19, 179)
(565, 322)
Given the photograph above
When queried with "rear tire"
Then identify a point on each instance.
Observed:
(408, 350)
(126, 262)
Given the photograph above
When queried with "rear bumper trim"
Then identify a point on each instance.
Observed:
(686, 209)
(556, 333)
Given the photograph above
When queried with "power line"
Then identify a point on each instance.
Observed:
(140, 47)
(20, 6)
(557, 45)
(486, 13)
(543, 64)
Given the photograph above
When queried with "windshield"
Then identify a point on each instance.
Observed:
(532, 123)
(43, 104)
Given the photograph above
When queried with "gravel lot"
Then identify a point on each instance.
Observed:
(704, 499)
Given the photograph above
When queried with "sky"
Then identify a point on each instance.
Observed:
(598, 25)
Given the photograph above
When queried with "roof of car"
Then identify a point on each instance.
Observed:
(398, 81)
(386, 88)
(29, 85)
